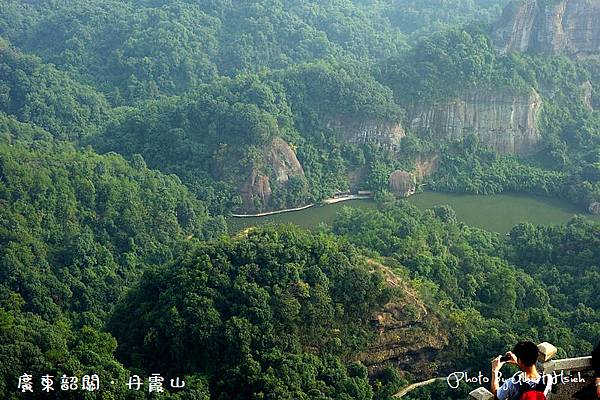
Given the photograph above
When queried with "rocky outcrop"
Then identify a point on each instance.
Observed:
(277, 167)
(513, 31)
(426, 166)
(408, 335)
(384, 134)
(503, 120)
(570, 27)
(402, 183)
(256, 191)
(283, 162)
(594, 208)
(587, 95)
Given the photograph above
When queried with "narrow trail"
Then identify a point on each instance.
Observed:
(332, 200)
(414, 386)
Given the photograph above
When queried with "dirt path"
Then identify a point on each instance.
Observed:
(332, 200)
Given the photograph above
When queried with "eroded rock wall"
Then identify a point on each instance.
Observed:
(384, 134)
(282, 160)
(570, 27)
(426, 166)
(503, 120)
(587, 95)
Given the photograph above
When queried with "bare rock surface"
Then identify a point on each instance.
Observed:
(504, 120)
(570, 27)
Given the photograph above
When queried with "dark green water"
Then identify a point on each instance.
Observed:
(497, 213)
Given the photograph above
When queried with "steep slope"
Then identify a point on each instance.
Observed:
(408, 334)
(570, 27)
(267, 297)
(504, 120)
(454, 84)
(381, 133)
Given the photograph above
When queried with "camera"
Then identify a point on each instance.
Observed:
(505, 358)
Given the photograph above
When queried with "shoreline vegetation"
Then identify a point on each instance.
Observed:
(332, 200)
(495, 213)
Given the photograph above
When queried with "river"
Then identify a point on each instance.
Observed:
(497, 213)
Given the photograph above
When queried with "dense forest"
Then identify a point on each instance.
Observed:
(130, 130)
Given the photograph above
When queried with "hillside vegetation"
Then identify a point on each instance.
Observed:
(131, 129)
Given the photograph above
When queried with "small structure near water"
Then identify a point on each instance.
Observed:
(341, 193)
(594, 208)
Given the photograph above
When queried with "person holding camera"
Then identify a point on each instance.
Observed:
(527, 384)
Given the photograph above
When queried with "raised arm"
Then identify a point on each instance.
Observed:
(496, 365)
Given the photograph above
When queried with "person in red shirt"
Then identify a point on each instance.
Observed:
(527, 383)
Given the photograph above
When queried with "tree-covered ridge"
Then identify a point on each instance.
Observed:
(29, 344)
(255, 311)
(129, 51)
(138, 49)
(143, 49)
(76, 230)
(39, 93)
(421, 16)
(77, 227)
(321, 91)
(537, 283)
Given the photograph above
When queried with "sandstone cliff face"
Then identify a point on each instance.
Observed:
(381, 133)
(570, 27)
(280, 164)
(505, 121)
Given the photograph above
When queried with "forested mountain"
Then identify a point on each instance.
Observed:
(136, 49)
(76, 229)
(39, 93)
(315, 76)
(131, 129)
